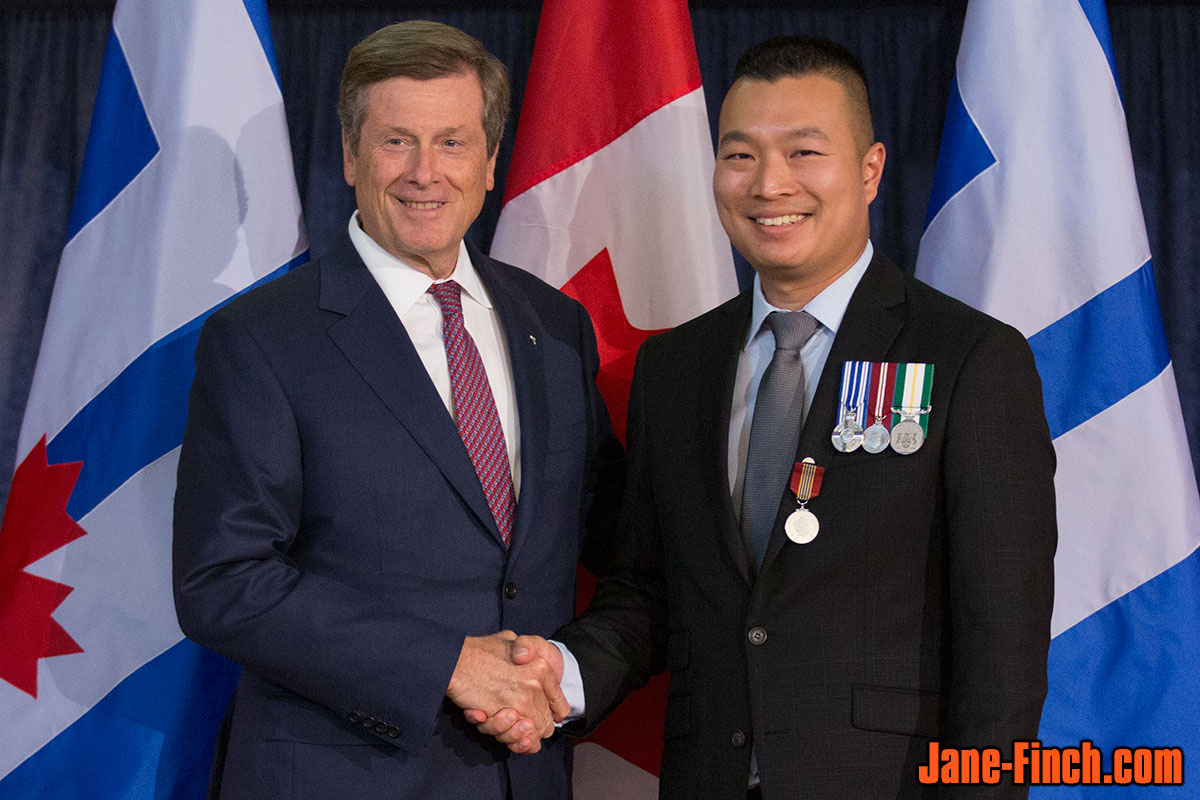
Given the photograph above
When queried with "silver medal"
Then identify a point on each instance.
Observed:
(801, 526)
(907, 437)
(848, 436)
(876, 438)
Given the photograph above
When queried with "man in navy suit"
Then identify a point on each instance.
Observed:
(391, 453)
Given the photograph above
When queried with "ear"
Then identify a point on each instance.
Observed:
(348, 160)
(872, 169)
(491, 168)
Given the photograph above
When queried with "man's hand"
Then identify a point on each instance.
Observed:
(490, 678)
(508, 725)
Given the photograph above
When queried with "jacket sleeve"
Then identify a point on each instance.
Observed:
(619, 641)
(238, 515)
(1001, 536)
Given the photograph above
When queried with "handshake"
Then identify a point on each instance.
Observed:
(508, 687)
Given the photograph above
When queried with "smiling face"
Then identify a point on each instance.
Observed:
(422, 167)
(792, 184)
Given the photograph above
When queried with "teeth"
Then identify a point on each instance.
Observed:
(421, 206)
(787, 220)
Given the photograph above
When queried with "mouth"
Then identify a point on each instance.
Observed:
(422, 205)
(786, 219)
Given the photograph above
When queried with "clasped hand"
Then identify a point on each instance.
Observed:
(509, 688)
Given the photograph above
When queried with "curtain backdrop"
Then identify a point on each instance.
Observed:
(50, 56)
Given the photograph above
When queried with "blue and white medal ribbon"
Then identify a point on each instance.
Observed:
(852, 406)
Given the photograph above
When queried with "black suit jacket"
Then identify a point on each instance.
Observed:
(331, 534)
(922, 609)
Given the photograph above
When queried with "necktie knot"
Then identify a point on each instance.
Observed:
(448, 295)
(792, 330)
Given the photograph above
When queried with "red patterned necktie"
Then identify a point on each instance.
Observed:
(478, 420)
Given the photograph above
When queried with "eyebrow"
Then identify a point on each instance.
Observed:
(808, 132)
(453, 131)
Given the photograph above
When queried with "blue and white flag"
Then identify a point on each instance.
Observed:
(1035, 219)
(187, 197)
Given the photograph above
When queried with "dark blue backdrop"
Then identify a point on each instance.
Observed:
(50, 55)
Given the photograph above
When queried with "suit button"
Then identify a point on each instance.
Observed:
(367, 722)
(354, 717)
(393, 732)
(381, 727)
(738, 739)
(757, 635)
(510, 590)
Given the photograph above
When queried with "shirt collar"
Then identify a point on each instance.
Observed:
(403, 283)
(827, 308)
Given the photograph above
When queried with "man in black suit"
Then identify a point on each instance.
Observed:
(819, 661)
(391, 453)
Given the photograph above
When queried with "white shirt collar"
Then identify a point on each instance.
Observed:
(403, 283)
(828, 307)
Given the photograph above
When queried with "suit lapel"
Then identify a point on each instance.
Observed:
(374, 341)
(872, 321)
(718, 360)
(526, 339)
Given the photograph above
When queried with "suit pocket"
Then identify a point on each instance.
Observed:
(906, 711)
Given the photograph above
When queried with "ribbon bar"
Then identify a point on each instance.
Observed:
(806, 480)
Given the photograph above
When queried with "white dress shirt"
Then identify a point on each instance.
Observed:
(406, 289)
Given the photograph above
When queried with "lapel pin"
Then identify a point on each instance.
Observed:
(533, 339)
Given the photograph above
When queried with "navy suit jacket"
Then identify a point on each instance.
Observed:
(331, 534)
(922, 609)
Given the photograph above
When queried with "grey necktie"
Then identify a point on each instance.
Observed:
(775, 431)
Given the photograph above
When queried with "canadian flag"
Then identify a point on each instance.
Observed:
(609, 198)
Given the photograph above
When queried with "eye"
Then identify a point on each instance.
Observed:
(736, 156)
(452, 143)
(804, 152)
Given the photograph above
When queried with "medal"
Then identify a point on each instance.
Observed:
(848, 435)
(801, 525)
(914, 386)
(877, 437)
(907, 436)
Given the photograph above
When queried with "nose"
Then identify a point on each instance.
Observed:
(421, 168)
(774, 178)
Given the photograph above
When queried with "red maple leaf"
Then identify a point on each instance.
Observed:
(634, 730)
(617, 340)
(35, 524)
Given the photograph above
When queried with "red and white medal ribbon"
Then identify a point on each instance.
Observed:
(877, 436)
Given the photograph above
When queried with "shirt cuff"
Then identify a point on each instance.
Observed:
(571, 684)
